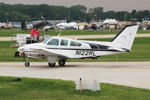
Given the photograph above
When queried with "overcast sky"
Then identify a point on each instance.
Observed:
(117, 5)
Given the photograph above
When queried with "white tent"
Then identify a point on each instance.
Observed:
(110, 21)
(67, 25)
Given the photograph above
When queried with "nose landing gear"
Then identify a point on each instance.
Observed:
(27, 63)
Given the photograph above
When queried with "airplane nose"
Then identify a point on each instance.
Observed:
(21, 49)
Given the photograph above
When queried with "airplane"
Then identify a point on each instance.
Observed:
(61, 49)
(71, 25)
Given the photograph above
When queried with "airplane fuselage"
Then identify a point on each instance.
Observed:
(82, 49)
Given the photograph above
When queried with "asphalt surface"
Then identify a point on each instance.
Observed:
(79, 37)
(135, 74)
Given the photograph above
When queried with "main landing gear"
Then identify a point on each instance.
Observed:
(51, 64)
(61, 63)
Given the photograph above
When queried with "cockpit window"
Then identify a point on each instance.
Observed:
(64, 42)
(45, 41)
(53, 42)
(72, 43)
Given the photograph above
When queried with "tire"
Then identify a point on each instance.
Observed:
(51, 64)
(62, 62)
(27, 64)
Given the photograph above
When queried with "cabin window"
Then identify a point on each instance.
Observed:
(64, 42)
(102, 46)
(72, 43)
(94, 46)
(53, 42)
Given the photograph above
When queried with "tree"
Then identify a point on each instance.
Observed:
(76, 12)
(97, 13)
(19, 12)
(110, 14)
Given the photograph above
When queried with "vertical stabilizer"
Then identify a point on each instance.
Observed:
(126, 37)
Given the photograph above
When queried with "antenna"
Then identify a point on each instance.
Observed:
(60, 31)
(59, 34)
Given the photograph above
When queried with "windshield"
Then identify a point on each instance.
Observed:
(53, 42)
(45, 41)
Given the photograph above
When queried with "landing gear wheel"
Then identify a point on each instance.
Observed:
(51, 64)
(27, 64)
(62, 62)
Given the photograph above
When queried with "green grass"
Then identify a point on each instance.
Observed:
(140, 52)
(48, 89)
(143, 31)
(13, 32)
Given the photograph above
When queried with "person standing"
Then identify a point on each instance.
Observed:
(32, 32)
(35, 35)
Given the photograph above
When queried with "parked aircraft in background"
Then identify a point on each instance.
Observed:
(63, 48)
(6, 25)
(71, 25)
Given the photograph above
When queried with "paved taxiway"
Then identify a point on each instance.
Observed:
(136, 74)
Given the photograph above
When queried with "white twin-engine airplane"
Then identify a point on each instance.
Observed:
(63, 48)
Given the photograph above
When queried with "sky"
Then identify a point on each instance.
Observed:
(116, 5)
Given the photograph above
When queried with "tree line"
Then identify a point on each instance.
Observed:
(21, 12)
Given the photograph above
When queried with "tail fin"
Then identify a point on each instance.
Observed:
(125, 38)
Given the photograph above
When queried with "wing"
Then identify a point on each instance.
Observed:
(49, 52)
